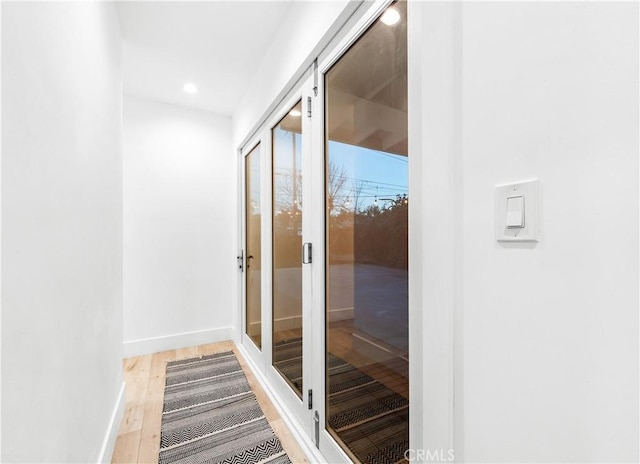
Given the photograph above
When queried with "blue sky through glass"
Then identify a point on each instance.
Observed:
(370, 174)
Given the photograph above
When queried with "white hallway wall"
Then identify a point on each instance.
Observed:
(546, 362)
(179, 259)
(61, 230)
(550, 332)
(303, 29)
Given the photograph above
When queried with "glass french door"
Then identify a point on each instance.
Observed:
(288, 366)
(253, 260)
(277, 285)
(366, 198)
(326, 237)
(287, 212)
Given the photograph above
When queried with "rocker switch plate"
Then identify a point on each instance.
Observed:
(517, 211)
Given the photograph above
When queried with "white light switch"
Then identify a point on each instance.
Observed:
(515, 212)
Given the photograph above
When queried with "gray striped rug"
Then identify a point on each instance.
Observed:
(211, 415)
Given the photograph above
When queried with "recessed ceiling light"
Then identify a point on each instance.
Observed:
(295, 113)
(390, 17)
(190, 87)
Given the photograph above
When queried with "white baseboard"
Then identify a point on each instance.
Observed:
(313, 454)
(288, 323)
(109, 442)
(175, 341)
(340, 314)
(295, 322)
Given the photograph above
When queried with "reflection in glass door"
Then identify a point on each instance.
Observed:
(366, 195)
(287, 248)
(253, 250)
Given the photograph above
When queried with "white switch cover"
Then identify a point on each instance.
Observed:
(517, 211)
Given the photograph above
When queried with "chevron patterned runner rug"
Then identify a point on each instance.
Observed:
(212, 415)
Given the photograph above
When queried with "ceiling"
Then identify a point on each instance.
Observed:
(216, 45)
(367, 89)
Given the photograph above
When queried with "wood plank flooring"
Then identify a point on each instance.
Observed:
(139, 436)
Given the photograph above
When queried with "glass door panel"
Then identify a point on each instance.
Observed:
(287, 248)
(253, 250)
(366, 197)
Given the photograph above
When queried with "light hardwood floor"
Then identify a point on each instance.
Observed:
(139, 436)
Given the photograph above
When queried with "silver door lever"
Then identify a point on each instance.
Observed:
(306, 253)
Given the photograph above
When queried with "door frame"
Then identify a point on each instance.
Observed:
(262, 358)
(341, 44)
(246, 341)
(435, 348)
(296, 405)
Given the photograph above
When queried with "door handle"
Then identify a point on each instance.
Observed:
(306, 253)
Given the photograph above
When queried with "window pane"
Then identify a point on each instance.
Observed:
(287, 248)
(253, 260)
(367, 244)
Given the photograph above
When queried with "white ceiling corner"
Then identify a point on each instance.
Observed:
(215, 44)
